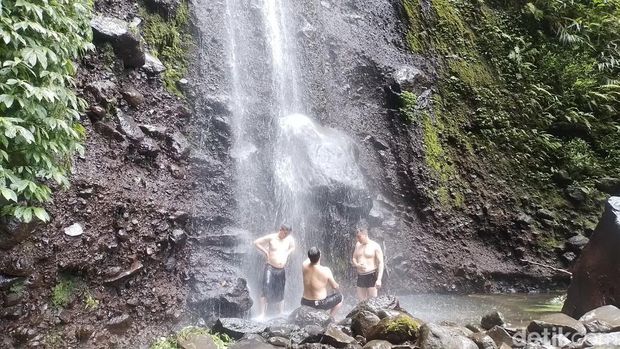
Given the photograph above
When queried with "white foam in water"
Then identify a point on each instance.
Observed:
(242, 150)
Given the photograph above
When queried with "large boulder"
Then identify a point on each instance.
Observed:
(229, 297)
(433, 336)
(602, 319)
(551, 323)
(152, 65)
(362, 322)
(376, 305)
(494, 318)
(123, 37)
(237, 328)
(304, 316)
(396, 329)
(597, 271)
(378, 344)
(252, 344)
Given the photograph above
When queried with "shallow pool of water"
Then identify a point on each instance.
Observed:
(518, 309)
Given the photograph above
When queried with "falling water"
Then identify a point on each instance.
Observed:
(289, 168)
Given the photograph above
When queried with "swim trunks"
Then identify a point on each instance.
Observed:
(273, 284)
(367, 280)
(324, 304)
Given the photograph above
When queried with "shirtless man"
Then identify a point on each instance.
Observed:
(316, 278)
(276, 247)
(368, 260)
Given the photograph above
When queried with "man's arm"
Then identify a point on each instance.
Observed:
(353, 259)
(379, 256)
(260, 242)
(330, 279)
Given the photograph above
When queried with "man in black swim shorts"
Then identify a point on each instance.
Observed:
(277, 248)
(368, 260)
(316, 279)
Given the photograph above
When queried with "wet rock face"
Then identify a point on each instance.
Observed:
(597, 271)
(212, 301)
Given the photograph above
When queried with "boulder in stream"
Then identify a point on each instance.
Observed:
(304, 316)
(603, 319)
(552, 323)
(376, 304)
(597, 271)
(396, 329)
(433, 336)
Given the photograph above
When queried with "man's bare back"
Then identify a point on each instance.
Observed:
(316, 279)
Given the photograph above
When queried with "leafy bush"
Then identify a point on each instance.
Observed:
(39, 111)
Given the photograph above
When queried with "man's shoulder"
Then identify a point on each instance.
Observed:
(376, 245)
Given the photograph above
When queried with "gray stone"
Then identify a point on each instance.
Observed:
(433, 336)
(495, 318)
(577, 242)
(103, 91)
(553, 322)
(279, 341)
(602, 319)
(108, 131)
(148, 148)
(179, 145)
(546, 214)
(282, 330)
(74, 230)
(378, 344)
(237, 328)
(123, 37)
(362, 322)
(483, 341)
(133, 97)
(602, 340)
(569, 257)
(376, 304)
(119, 324)
(305, 315)
(152, 65)
(336, 337)
(128, 127)
(158, 132)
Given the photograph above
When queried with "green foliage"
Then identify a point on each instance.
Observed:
(403, 324)
(63, 292)
(408, 103)
(170, 41)
(222, 341)
(90, 302)
(533, 87)
(39, 112)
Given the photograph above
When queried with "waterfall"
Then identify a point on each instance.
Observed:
(288, 167)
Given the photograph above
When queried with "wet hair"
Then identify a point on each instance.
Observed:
(314, 254)
(361, 227)
(286, 227)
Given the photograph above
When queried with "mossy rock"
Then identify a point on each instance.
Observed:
(396, 329)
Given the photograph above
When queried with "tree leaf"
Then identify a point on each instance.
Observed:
(8, 194)
(41, 214)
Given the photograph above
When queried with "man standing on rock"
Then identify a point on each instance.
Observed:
(277, 247)
(316, 279)
(368, 260)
